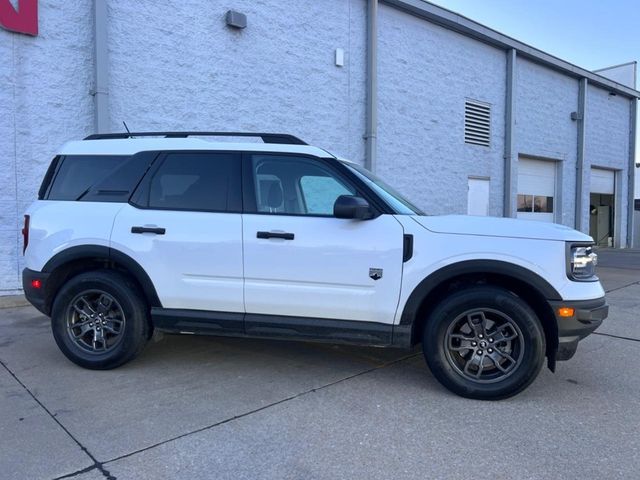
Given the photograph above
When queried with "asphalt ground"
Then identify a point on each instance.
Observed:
(221, 408)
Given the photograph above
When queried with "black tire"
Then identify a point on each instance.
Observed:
(456, 343)
(123, 325)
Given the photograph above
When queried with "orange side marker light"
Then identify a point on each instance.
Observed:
(566, 312)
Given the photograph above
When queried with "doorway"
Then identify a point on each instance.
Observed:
(602, 207)
(478, 196)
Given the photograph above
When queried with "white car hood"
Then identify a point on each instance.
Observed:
(500, 227)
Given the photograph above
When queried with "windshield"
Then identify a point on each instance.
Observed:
(400, 205)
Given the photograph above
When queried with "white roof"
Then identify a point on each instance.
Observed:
(346, 160)
(130, 146)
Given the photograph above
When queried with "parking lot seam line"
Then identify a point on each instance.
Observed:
(621, 267)
(620, 288)
(77, 472)
(256, 410)
(617, 336)
(96, 464)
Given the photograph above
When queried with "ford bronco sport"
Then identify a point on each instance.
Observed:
(279, 239)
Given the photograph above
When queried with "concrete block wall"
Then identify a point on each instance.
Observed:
(176, 65)
(44, 101)
(607, 146)
(544, 102)
(425, 74)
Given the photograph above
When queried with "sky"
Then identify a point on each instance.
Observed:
(589, 33)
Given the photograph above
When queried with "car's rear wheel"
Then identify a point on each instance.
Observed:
(484, 342)
(99, 320)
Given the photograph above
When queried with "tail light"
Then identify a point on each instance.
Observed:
(25, 234)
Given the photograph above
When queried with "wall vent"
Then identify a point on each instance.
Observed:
(477, 123)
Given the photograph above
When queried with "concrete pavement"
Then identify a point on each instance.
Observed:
(205, 407)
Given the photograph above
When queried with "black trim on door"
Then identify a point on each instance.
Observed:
(282, 235)
(198, 321)
(253, 325)
(318, 329)
(156, 230)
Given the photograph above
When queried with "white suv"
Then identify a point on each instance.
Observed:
(278, 239)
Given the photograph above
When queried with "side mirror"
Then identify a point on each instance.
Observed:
(350, 206)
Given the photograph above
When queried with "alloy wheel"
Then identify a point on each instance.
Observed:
(484, 345)
(95, 321)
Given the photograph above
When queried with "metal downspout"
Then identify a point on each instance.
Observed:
(509, 137)
(633, 125)
(101, 68)
(372, 86)
(580, 156)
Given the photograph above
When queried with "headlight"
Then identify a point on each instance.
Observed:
(583, 261)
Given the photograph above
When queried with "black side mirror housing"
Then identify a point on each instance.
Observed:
(352, 207)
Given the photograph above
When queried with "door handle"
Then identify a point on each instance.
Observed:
(283, 235)
(156, 230)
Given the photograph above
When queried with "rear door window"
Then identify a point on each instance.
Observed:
(198, 182)
(78, 173)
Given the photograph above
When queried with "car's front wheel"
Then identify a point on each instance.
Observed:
(99, 320)
(484, 342)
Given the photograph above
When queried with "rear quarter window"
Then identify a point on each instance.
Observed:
(76, 174)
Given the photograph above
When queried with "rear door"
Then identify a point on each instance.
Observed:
(300, 261)
(184, 228)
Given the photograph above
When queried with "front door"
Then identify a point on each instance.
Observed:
(301, 261)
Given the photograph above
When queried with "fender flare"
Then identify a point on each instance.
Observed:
(403, 331)
(110, 254)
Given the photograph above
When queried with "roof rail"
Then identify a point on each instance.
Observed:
(281, 138)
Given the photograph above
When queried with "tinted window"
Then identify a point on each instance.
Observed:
(525, 203)
(535, 203)
(196, 181)
(77, 173)
(293, 185)
(120, 183)
(46, 181)
(320, 193)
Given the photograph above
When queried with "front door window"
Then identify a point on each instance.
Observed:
(296, 186)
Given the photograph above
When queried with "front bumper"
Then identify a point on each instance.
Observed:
(35, 296)
(588, 315)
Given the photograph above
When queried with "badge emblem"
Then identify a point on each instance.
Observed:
(375, 273)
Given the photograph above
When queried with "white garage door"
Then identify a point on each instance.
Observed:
(602, 181)
(536, 189)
